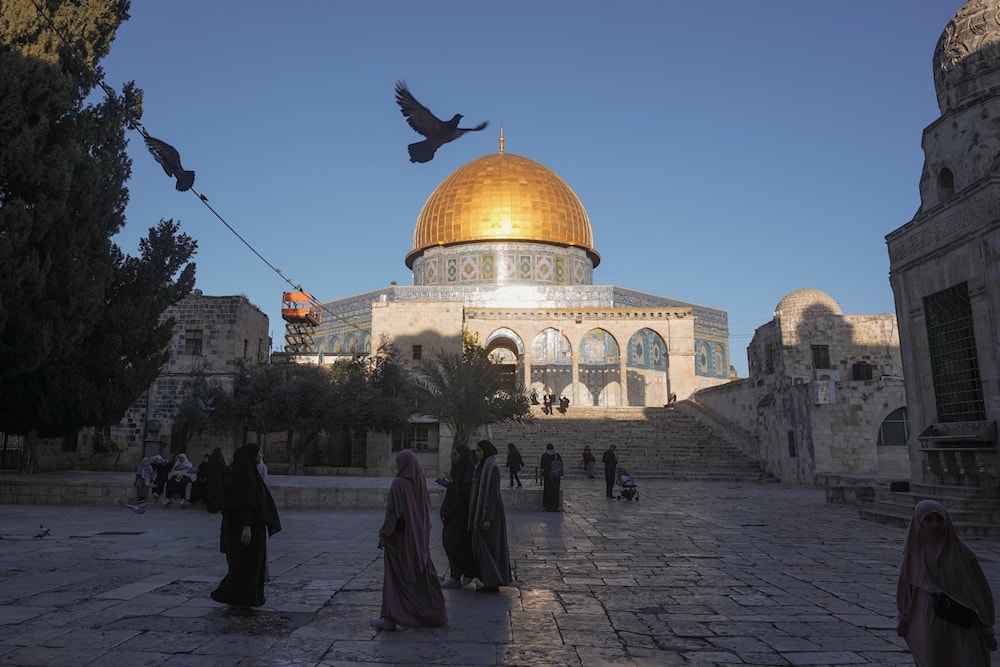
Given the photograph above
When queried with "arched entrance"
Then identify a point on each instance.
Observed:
(505, 349)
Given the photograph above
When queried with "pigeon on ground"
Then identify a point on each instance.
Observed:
(170, 160)
(421, 119)
(42, 532)
(138, 509)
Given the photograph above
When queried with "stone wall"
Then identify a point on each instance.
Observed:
(232, 329)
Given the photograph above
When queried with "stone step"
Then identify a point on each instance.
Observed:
(650, 442)
(974, 511)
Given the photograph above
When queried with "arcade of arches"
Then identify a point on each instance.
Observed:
(591, 366)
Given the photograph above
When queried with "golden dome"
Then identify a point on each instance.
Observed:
(502, 197)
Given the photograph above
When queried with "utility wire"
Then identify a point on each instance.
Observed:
(136, 125)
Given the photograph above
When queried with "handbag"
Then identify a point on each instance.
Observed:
(953, 612)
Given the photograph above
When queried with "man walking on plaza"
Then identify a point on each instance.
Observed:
(610, 466)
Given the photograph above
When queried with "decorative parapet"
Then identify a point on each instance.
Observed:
(960, 453)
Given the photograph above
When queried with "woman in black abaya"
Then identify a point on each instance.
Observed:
(248, 517)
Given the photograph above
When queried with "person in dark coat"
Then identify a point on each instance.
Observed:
(411, 591)
(216, 480)
(462, 567)
(514, 464)
(488, 521)
(550, 485)
(610, 469)
(249, 515)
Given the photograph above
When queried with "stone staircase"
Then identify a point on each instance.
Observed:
(656, 443)
(975, 511)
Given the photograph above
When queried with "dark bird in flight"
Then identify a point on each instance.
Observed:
(42, 532)
(421, 119)
(170, 160)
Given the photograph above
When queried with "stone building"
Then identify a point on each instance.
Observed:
(824, 394)
(945, 263)
(503, 248)
(212, 335)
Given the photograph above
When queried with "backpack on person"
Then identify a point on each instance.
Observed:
(556, 467)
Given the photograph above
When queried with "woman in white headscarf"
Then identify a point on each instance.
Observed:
(940, 573)
(179, 481)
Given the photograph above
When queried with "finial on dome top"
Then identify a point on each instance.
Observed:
(501, 138)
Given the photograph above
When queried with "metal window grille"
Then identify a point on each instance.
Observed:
(951, 339)
(821, 356)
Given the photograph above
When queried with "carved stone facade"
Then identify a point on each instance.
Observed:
(945, 263)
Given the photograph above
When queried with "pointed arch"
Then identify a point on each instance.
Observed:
(646, 369)
(600, 369)
(505, 348)
(551, 363)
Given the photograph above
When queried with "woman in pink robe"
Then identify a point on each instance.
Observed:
(411, 590)
(936, 562)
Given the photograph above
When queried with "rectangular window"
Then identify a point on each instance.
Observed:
(791, 444)
(769, 358)
(821, 356)
(246, 347)
(954, 359)
(418, 352)
(192, 341)
(415, 436)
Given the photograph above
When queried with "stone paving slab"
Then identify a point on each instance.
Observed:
(693, 574)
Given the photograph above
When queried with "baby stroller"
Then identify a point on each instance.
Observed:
(626, 486)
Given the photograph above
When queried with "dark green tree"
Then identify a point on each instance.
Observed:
(80, 329)
(465, 392)
(294, 399)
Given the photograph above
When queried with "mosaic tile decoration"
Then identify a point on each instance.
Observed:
(647, 349)
(551, 347)
(503, 263)
(598, 348)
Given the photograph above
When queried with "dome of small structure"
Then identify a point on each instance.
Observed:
(801, 300)
(967, 57)
(502, 197)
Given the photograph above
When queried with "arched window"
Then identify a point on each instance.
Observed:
(895, 430)
(946, 184)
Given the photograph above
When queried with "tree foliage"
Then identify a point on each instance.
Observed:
(81, 334)
(304, 401)
(465, 391)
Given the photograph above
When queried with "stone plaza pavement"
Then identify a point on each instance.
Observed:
(690, 574)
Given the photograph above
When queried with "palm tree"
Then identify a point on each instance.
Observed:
(466, 391)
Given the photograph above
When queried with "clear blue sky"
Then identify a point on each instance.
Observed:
(727, 152)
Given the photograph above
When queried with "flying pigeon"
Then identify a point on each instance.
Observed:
(421, 119)
(138, 509)
(42, 532)
(170, 160)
